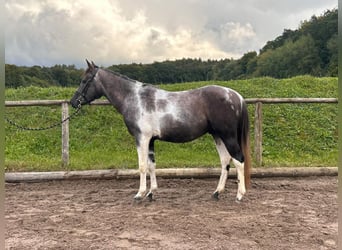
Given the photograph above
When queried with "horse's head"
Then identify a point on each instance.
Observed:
(88, 89)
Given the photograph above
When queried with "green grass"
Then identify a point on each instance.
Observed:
(293, 134)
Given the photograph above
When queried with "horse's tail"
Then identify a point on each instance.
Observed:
(245, 145)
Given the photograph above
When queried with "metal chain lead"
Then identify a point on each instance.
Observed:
(44, 128)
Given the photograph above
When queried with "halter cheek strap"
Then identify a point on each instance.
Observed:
(82, 92)
(84, 88)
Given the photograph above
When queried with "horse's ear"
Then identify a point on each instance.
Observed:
(89, 65)
(95, 66)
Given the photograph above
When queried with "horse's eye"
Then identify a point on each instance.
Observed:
(84, 81)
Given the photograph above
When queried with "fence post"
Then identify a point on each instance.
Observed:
(65, 135)
(258, 133)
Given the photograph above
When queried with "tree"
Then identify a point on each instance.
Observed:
(332, 46)
(322, 29)
(293, 58)
(13, 76)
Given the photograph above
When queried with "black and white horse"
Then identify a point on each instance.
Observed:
(153, 114)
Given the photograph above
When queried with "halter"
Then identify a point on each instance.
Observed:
(84, 88)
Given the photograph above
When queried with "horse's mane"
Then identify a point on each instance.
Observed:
(125, 77)
(120, 75)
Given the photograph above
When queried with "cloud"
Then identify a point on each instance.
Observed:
(236, 36)
(62, 32)
(47, 32)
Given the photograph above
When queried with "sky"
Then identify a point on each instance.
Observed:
(49, 32)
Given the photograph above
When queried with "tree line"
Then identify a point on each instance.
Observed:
(311, 49)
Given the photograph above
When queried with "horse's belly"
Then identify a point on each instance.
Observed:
(180, 136)
(181, 131)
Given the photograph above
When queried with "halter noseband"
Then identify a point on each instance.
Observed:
(82, 91)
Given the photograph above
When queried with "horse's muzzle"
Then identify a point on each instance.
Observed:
(75, 102)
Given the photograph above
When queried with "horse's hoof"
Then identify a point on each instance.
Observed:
(215, 196)
(150, 197)
(138, 198)
(238, 199)
(239, 196)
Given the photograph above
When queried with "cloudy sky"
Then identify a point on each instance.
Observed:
(49, 32)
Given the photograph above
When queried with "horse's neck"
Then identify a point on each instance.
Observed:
(117, 89)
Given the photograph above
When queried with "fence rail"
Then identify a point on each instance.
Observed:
(257, 118)
(105, 102)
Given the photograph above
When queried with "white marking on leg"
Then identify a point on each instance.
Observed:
(151, 168)
(240, 169)
(225, 159)
(143, 164)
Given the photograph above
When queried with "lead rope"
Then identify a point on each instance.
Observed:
(45, 128)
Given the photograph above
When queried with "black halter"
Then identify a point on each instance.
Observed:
(82, 91)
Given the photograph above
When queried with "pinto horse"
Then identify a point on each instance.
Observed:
(153, 114)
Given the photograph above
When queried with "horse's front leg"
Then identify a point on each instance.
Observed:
(142, 148)
(152, 170)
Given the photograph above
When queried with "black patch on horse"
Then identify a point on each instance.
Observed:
(148, 98)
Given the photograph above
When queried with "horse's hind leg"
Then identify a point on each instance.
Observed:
(225, 159)
(152, 170)
(240, 169)
(238, 161)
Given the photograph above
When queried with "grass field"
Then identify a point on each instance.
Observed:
(293, 134)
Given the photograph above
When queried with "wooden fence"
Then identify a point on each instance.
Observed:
(257, 118)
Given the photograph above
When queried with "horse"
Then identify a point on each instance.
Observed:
(153, 114)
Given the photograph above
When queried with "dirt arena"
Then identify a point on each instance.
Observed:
(276, 213)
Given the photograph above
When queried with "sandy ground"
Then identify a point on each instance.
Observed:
(276, 213)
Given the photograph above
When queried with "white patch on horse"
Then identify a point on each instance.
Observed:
(228, 96)
(144, 120)
(152, 172)
(143, 166)
(139, 84)
(169, 108)
(96, 76)
(240, 169)
(231, 93)
(225, 159)
(241, 99)
(161, 94)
